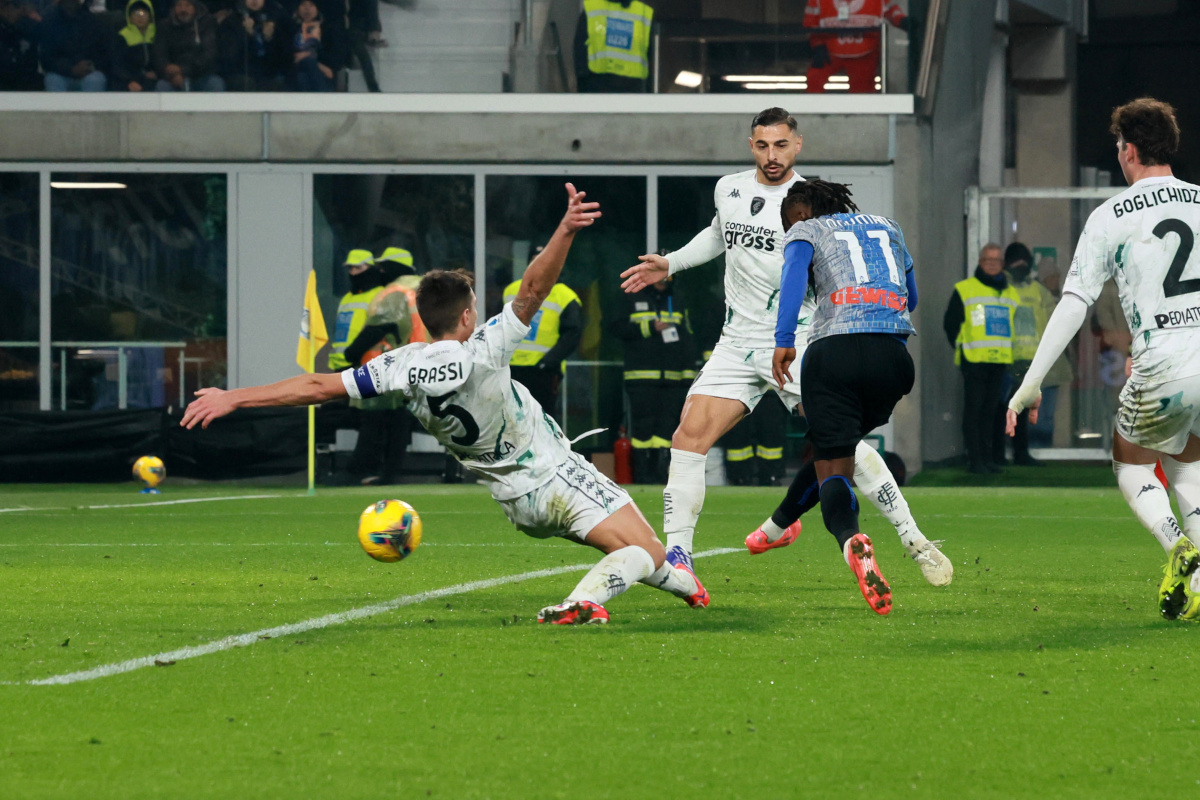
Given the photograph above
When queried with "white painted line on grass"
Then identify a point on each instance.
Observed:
(316, 623)
(190, 500)
(178, 545)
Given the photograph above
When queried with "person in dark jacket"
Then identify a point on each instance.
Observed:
(660, 364)
(19, 28)
(363, 29)
(185, 50)
(255, 46)
(133, 50)
(318, 50)
(979, 324)
(74, 49)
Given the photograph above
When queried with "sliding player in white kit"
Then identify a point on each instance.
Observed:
(1143, 239)
(747, 228)
(461, 390)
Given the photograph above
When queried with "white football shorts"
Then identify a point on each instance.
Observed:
(578, 498)
(1161, 415)
(744, 374)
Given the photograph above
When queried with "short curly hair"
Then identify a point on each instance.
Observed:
(822, 198)
(1149, 125)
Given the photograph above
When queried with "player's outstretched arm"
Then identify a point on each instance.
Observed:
(704, 247)
(1064, 323)
(302, 390)
(542, 273)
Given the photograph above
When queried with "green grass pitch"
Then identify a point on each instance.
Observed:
(1043, 670)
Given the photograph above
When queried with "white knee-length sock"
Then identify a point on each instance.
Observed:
(1185, 480)
(615, 573)
(676, 581)
(876, 482)
(1149, 501)
(683, 498)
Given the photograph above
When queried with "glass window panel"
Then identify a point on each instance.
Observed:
(522, 213)
(139, 275)
(431, 216)
(19, 263)
(685, 207)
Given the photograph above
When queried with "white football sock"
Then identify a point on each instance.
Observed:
(1185, 480)
(1149, 501)
(678, 582)
(772, 530)
(615, 573)
(876, 482)
(683, 498)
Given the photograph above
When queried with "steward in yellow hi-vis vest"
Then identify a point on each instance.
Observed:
(553, 335)
(365, 282)
(979, 326)
(660, 364)
(612, 46)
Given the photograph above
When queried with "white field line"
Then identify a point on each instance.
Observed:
(178, 545)
(316, 623)
(144, 505)
(191, 500)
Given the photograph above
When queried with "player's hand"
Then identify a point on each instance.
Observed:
(579, 214)
(1010, 418)
(652, 270)
(209, 404)
(781, 364)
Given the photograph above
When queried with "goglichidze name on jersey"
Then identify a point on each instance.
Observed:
(1144, 241)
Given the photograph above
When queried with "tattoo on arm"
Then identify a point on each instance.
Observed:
(525, 306)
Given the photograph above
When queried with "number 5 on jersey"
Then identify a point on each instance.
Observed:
(438, 408)
(861, 273)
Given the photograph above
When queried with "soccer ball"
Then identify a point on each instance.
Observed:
(389, 530)
(150, 471)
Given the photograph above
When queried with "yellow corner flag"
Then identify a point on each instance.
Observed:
(313, 335)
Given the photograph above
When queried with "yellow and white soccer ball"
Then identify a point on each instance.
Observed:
(389, 530)
(150, 471)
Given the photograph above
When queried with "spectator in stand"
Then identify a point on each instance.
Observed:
(855, 55)
(133, 50)
(318, 50)
(254, 46)
(185, 50)
(74, 49)
(19, 29)
(363, 30)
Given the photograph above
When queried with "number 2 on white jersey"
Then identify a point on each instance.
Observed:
(861, 273)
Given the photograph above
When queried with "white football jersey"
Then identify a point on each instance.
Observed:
(748, 229)
(1144, 239)
(464, 395)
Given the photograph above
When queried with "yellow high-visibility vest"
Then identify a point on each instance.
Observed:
(618, 38)
(543, 328)
(986, 335)
(351, 318)
(1029, 320)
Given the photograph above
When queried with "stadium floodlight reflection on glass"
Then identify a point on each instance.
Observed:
(776, 87)
(689, 79)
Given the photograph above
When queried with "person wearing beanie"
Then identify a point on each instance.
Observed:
(979, 326)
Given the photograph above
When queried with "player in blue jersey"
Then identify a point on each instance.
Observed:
(856, 366)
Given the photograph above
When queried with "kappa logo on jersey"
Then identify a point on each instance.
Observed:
(446, 372)
(756, 205)
(753, 237)
(734, 193)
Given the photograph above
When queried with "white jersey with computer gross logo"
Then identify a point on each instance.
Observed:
(464, 395)
(1144, 239)
(748, 229)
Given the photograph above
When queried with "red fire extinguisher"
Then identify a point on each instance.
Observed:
(622, 458)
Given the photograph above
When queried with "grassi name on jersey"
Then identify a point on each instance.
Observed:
(464, 396)
(1144, 240)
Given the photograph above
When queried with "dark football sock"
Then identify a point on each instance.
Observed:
(802, 495)
(839, 507)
